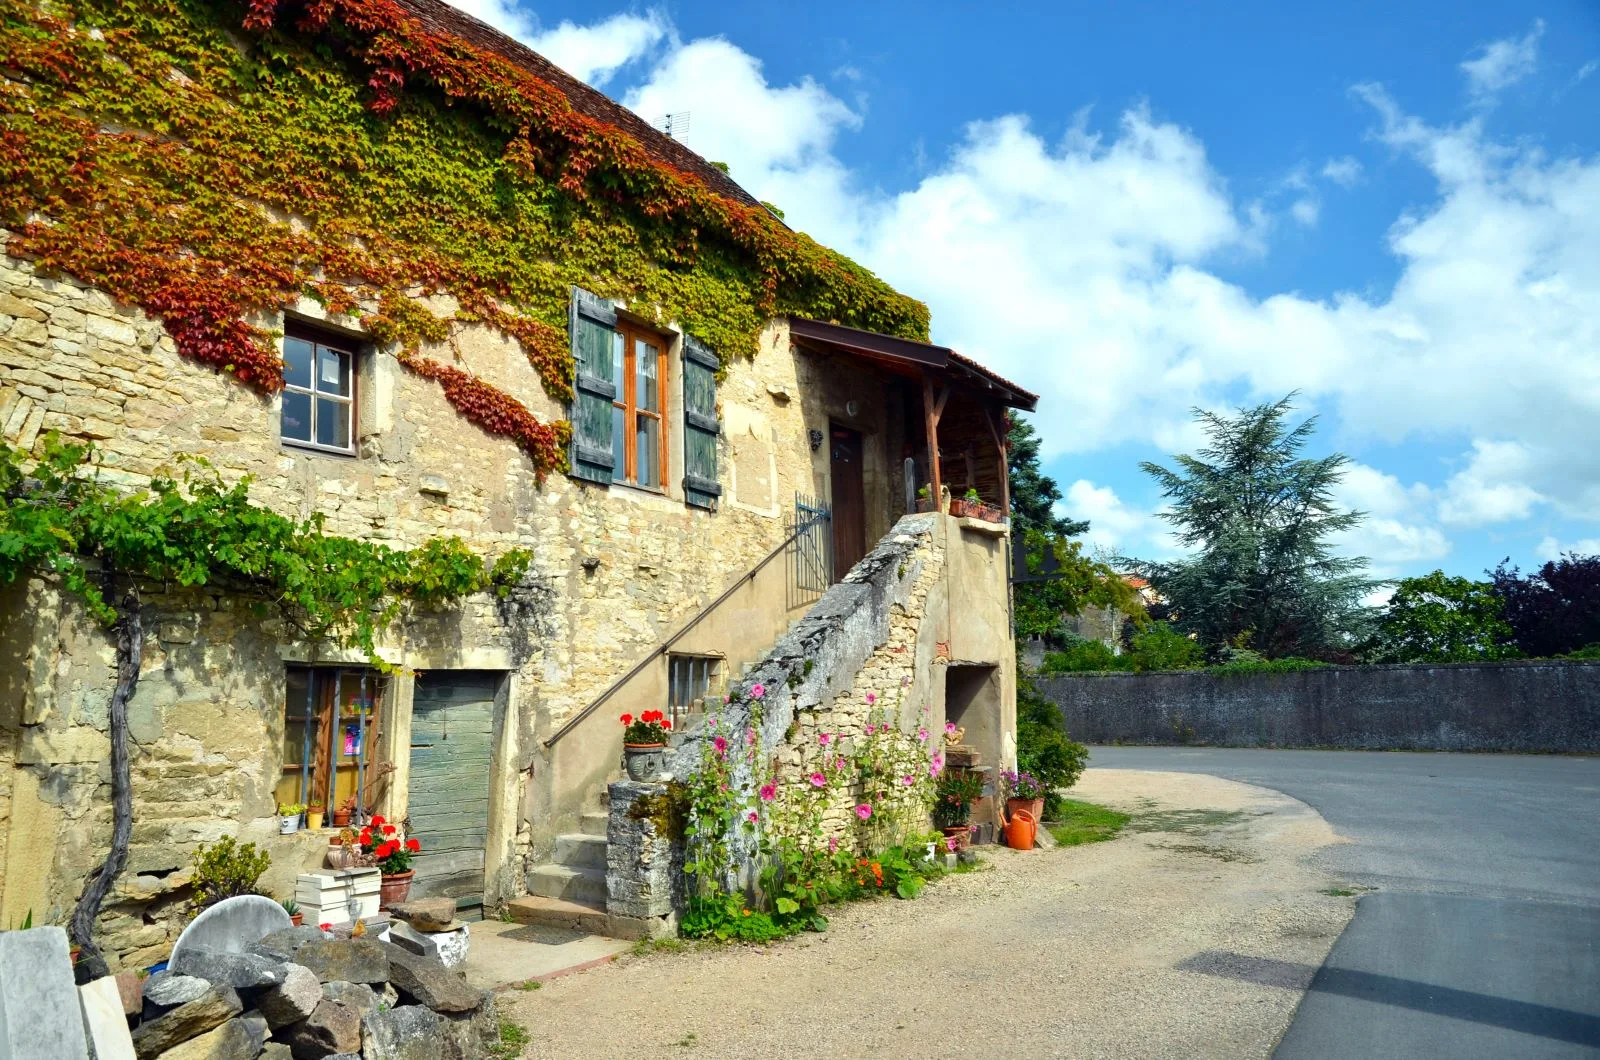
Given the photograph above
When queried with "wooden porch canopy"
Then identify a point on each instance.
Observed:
(941, 372)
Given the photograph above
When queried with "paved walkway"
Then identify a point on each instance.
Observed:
(1481, 935)
(1192, 936)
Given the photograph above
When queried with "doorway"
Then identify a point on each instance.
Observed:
(452, 747)
(849, 498)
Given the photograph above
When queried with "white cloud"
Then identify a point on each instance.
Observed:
(595, 52)
(1550, 548)
(503, 15)
(1399, 531)
(1306, 211)
(1585, 70)
(1492, 488)
(1503, 63)
(1113, 525)
(1345, 171)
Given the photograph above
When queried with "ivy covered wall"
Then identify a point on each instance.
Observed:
(213, 163)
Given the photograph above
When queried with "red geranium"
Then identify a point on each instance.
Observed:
(651, 728)
(390, 855)
(388, 829)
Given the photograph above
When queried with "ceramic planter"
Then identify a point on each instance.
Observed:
(313, 819)
(1035, 808)
(392, 890)
(643, 760)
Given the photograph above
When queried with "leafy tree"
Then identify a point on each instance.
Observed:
(1259, 516)
(1157, 646)
(1553, 612)
(1437, 618)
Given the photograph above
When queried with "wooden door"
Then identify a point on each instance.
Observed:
(452, 733)
(849, 500)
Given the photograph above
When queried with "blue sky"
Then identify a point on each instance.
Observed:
(1397, 214)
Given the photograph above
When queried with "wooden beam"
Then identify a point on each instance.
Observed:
(938, 406)
(995, 423)
(930, 417)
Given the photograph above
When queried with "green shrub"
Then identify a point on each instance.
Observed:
(1084, 656)
(226, 869)
(1054, 759)
(1160, 647)
(1286, 665)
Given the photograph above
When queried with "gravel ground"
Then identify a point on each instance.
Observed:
(1193, 934)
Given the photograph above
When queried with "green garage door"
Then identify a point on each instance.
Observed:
(452, 729)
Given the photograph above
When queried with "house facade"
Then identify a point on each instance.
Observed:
(691, 420)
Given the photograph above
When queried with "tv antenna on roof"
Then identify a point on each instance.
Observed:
(674, 125)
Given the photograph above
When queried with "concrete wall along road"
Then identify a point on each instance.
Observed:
(1530, 707)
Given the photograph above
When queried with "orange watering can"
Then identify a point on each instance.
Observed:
(1021, 830)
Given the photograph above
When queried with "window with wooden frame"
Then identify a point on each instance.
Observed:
(638, 421)
(319, 390)
(332, 719)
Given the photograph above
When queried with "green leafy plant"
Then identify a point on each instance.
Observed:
(971, 497)
(958, 790)
(226, 869)
(291, 809)
(1439, 619)
(290, 906)
(648, 728)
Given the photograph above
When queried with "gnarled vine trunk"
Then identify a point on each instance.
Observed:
(130, 649)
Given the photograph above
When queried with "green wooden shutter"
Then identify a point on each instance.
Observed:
(592, 327)
(700, 428)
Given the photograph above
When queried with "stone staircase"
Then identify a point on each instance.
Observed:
(570, 889)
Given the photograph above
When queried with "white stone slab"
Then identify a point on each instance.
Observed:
(106, 1022)
(40, 1014)
(232, 924)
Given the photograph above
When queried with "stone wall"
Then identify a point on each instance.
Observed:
(1530, 707)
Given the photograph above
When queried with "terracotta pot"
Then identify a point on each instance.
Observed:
(392, 890)
(297, 919)
(643, 760)
(341, 818)
(961, 833)
(1035, 808)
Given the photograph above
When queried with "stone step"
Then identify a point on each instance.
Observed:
(555, 912)
(581, 851)
(594, 823)
(562, 881)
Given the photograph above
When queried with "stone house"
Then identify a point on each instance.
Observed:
(709, 498)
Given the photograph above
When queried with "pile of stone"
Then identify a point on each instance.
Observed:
(297, 992)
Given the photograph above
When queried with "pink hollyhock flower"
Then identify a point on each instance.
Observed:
(750, 737)
(872, 697)
(769, 792)
(950, 844)
(937, 765)
(833, 844)
(908, 780)
(720, 744)
(822, 738)
(870, 729)
(949, 726)
(922, 735)
(752, 817)
(838, 763)
(758, 690)
(864, 811)
(818, 780)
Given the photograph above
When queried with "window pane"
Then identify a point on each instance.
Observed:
(333, 423)
(648, 360)
(297, 416)
(618, 374)
(649, 451)
(297, 362)
(333, 371)
(619, 445)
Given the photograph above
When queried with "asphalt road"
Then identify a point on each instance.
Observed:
(1481, 934)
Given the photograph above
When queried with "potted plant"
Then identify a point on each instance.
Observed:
(969, 504)
(289, 817)
(314, 816)
(643, 740)
(292, 907)
(1023, 792)
(384, 847)
(924, 499)
(342, 812)
(952, 807)
(344, 850)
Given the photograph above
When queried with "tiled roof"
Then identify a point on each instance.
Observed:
(440, 17)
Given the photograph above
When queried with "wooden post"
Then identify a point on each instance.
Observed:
(931, 410)
(1000, 446)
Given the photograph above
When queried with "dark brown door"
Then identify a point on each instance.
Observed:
(849, 500)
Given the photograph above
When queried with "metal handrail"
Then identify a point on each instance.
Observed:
(661, 648)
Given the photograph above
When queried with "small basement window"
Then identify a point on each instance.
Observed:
(319, 390)
(690, 679)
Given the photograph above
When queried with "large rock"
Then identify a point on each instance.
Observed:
(429, 982)
(238, 1039)
(426, 914)
(409, 938)
(130, 991)
(332, 1027)
(358, 996)
(346, 960)
(231, 925)
(218, 1005)
(472, 1036)
(294, 1000)
(164, 990)
(38, 995)
(105, 1020)
(242, 971)
(288, 941)
(409, 1032)
(275, 1051)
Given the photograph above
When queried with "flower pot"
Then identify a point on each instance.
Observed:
(1035, 808)
(297, 919)
(289, 825)
(313, 819)
(643, 760)
(343, 857)
(392, 890)
(961, 833)
(341, 818)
